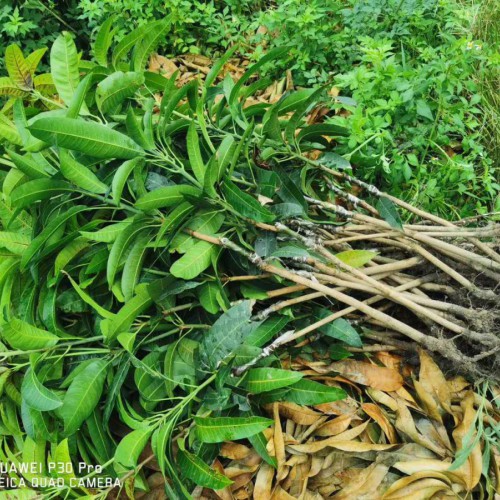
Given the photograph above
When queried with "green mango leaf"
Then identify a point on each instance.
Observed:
(227, 333)
(129, 448)
(220, 429)
(87, 137)
(259, 380)
(83, 395)
(127, 42)
(14, 242)
(194, 153)
(103, 40)
(122, 174)
(36, 395)
(28, 166)
(245, 204)
(64, 66)
(194, 261)
(356, 258)
(114, 89)
(79, 174)
(21, 335)
(167, 196)
(341, 329)
(38, 190)
(309, 392)
(266, 331)
(152, 38)
(388, 211)
(199, 472)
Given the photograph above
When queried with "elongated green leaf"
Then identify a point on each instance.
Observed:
(124, 318)
(77, 105)
(227, 333)
(120, 247)
(194, 261)
(83, 395)
(79, 174)
(220, 429)
(50, 229)
(341, 329)
(27, 165)
(199, 472)
(117, 87)
(260, 380)
(64, 66)
(270, 56)
(153, 37)
(121, 176)
(22, 335)
(127, 42)
(68, 253)
(130, 447)
(89, 300)
(246, 204)
(17, 243)
(36, 395)
(266, 331)
(309, 392)
(37, 190)
(17, 67)
(87, 137)
(109, 233)
(194, 153)
(389, 213)
(167, 196)
(103, 41)
(133, 265)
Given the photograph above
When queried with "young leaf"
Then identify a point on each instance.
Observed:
(220, 429)
(17, 67)
(87, 137)
(64, 66)
(260, 380)
(199, 472)
(246, 204)
(83, 395)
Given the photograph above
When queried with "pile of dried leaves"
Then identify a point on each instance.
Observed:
(398, 435)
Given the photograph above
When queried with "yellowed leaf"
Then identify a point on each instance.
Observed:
(365, 485)
(162, 65)
(384, 379)
(335, 426)
(234, 451)
(373, 411)
(299, 414)
(263, 483)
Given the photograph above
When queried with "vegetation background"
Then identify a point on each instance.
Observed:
(419, 78)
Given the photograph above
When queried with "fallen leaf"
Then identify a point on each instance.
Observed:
(373, 411)
(377, 377)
